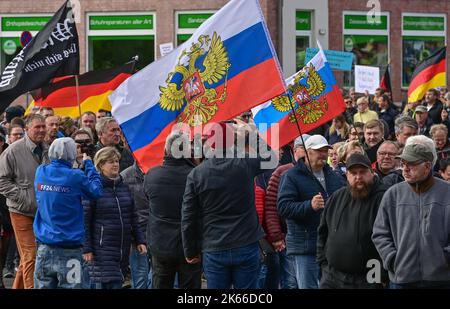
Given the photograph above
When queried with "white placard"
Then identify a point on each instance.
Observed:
(366, 78)
(165, 48)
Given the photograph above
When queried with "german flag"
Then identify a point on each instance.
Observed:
(94, 89)
(430, 73)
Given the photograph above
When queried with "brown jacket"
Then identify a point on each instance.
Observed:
(18, 166)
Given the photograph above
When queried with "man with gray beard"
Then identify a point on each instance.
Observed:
(344, 244)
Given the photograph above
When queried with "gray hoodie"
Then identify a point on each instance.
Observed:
(412, 232)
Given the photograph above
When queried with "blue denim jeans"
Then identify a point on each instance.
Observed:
(140, 270)
(238, 267)
(420, 285)
(307, 271)
(278, 272)
(107, 286)
(58, 268)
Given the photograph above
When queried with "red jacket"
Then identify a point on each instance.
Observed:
(259, 201)
(271, 217)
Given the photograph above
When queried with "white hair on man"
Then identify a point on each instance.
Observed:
(178, 145)
(425, 141)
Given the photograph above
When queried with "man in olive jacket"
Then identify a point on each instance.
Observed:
(18, 164)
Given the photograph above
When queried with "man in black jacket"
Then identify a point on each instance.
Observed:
(219, 217)
(344, 244)
(164, 186)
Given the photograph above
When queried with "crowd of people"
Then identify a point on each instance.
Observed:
(369, 188)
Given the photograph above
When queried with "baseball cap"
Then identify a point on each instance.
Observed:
(416, 152)
(421, 109)
(13, 112)
(316, 142)
(357, 159)
(299, 140)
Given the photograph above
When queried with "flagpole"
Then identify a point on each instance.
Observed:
(77, 86)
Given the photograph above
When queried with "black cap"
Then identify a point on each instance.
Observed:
(13, 112)
(358, 159)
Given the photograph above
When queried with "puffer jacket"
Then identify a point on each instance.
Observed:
(110, 223)
(297, 188)
(275, 225)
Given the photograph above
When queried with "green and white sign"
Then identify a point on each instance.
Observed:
(121, 22)
(363, 22)
(303, 20)
(424, 23)
(24, 23)
(192, 20)
(9, 47)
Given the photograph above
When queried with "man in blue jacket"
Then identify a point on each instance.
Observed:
(302, 194)
(59, 224)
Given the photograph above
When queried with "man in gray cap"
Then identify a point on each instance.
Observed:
(423, 120)
(412, 228)
(344, 244)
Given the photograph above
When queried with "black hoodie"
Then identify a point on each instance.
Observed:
(344, 236)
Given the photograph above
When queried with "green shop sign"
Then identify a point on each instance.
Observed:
(363, 22)
(423, 23)
(302, 20)
(121, 22)
(192, 21)
(25, 23)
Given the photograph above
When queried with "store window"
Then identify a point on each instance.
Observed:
(422, 35)
(369, 42)
(302, 36)
(11, 30)
(188, 22)
(114, 39)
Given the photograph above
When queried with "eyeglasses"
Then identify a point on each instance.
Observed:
(384, 154)
(411, 164)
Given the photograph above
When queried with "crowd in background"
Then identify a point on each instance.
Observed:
(370, 185)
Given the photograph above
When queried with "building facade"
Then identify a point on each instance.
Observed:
(111, 32)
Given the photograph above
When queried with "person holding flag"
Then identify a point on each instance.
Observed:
(313, 98)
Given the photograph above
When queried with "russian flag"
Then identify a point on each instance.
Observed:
(227, 67)
(312, 93)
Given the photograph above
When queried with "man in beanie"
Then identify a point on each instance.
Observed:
(412, 228)
(219, 217)
(344, 244)
(58, 224)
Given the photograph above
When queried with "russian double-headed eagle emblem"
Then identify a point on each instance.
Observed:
(304, 94)
(192, 84)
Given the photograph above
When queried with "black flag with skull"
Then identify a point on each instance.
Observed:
(53, 52)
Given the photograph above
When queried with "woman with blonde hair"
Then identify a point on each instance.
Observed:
(339, 130)
(110, 223)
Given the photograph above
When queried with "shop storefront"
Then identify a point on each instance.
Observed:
(114, 39)
(187, 22)
(422, 35)
(302, 36)
(369, 41)
(11, 30)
